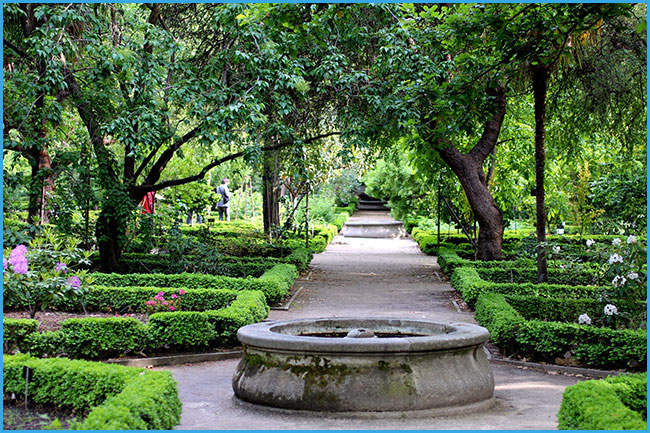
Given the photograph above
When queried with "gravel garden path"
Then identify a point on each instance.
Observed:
(373, 278)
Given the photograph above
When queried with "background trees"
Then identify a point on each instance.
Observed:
(105, 103)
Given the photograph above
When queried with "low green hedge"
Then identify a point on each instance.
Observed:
(470, 285)
(554, 309)
(615, 403)
(585, 274)
(14, 332)
(239, 267)
(274, 283)
(116, 397)
(546, 341)
(132, 299)
(101, 338)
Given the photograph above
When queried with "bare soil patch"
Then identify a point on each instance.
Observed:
(35, 417)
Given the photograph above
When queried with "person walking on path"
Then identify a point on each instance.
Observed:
(223, 206)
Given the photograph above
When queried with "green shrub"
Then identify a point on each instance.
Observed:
(301, 257)
(94, 338)
(151, 402)
(615, 403)
(555, 309)
(282, 276)
(14, 332)
(546, 341)
(273, 282)
(44, 344)
(249, 308)
(467, 281)
(118, 397)
(583, 275)
(73, 384)
(133, 299)
(179, 330)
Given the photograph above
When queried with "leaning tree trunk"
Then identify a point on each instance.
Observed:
(490, 221)
(540, 80)
(468, 167)
(270, 199)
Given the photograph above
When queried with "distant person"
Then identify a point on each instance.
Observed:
(223, 205)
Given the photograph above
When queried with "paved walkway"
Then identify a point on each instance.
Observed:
(369, 277)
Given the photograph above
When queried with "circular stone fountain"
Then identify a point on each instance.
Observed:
(365, 365)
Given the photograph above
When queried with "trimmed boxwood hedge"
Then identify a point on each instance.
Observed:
(470, 285)
(100, 338)
(274, 283)
(14, 332)
(132, 299)
(116, 397)
(615, 403)
(586, 274)
(546, 341)
(133, 263)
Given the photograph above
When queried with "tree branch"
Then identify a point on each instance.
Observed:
(492, 127)
(139, 191)
(18, 51)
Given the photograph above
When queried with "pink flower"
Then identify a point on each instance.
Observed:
(174, 296)
(116, 315)
(18, 260)
(61, 267)
(181, 292)
(20, 267)
(165, 303)
(162, 294)
(75, 282)
(5, 264)
(171, 308)
(19, 251)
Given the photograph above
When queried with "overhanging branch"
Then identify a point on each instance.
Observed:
(140, 190)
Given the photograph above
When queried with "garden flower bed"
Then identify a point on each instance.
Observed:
(531, 335)
(102, 338)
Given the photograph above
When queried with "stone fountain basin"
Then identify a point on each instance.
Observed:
(411, 365)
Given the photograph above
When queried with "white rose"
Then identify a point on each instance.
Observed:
(616, 241)
(590, 242)
(584, 319)
(632, 276)
(556, 249)
(618, 281)
(631, 239)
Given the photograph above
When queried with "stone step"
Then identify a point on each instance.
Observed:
(375, 201)
(374, 229)
(365, 197)
(379, 206)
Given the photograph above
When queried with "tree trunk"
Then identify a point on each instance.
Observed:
(540, 80)
(469, 170)
(108, 234)
(270, 202)
(490, 221)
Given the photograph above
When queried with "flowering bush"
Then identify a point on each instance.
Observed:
(159, 304)
(34, 276)
(625, 298)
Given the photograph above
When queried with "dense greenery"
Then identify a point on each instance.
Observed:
(113, 396)
(615, 403)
